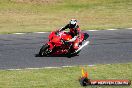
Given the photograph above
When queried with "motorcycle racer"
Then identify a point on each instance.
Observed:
(65, 43)
(74, 32)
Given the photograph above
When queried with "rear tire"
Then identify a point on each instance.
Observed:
(44, 51)
(85, 36)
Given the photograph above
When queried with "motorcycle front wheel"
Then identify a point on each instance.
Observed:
(44, 51)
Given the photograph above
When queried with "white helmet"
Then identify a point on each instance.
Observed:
(73, 23)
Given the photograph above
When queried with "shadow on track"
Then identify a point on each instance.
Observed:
(68, 56)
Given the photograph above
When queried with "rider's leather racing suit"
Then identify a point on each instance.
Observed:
(74, 32)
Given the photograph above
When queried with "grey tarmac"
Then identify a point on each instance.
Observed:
(17, 51)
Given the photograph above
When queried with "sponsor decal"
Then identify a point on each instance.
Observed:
(85, 81)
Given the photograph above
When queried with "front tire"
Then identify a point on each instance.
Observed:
(44, 51)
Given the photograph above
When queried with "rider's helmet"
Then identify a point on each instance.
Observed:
(73, 23)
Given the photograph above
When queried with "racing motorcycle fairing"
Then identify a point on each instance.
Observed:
(60, 44)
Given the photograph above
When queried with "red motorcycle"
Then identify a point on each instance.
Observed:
(60, 43)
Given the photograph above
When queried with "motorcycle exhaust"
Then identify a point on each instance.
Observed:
(86, 43)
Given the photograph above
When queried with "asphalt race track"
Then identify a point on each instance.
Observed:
(106, 46)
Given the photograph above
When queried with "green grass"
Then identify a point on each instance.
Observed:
(63, 77)
(47, 16)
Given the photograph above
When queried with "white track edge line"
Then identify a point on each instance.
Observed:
(47, 68)
(91, 65)
(19, 33)
(40, 32)
(128, 28)
(86, 30)
(112, 29)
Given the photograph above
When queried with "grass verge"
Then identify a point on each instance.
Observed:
(47, 15)
(63, 77)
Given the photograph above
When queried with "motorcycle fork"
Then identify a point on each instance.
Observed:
(70, 48)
